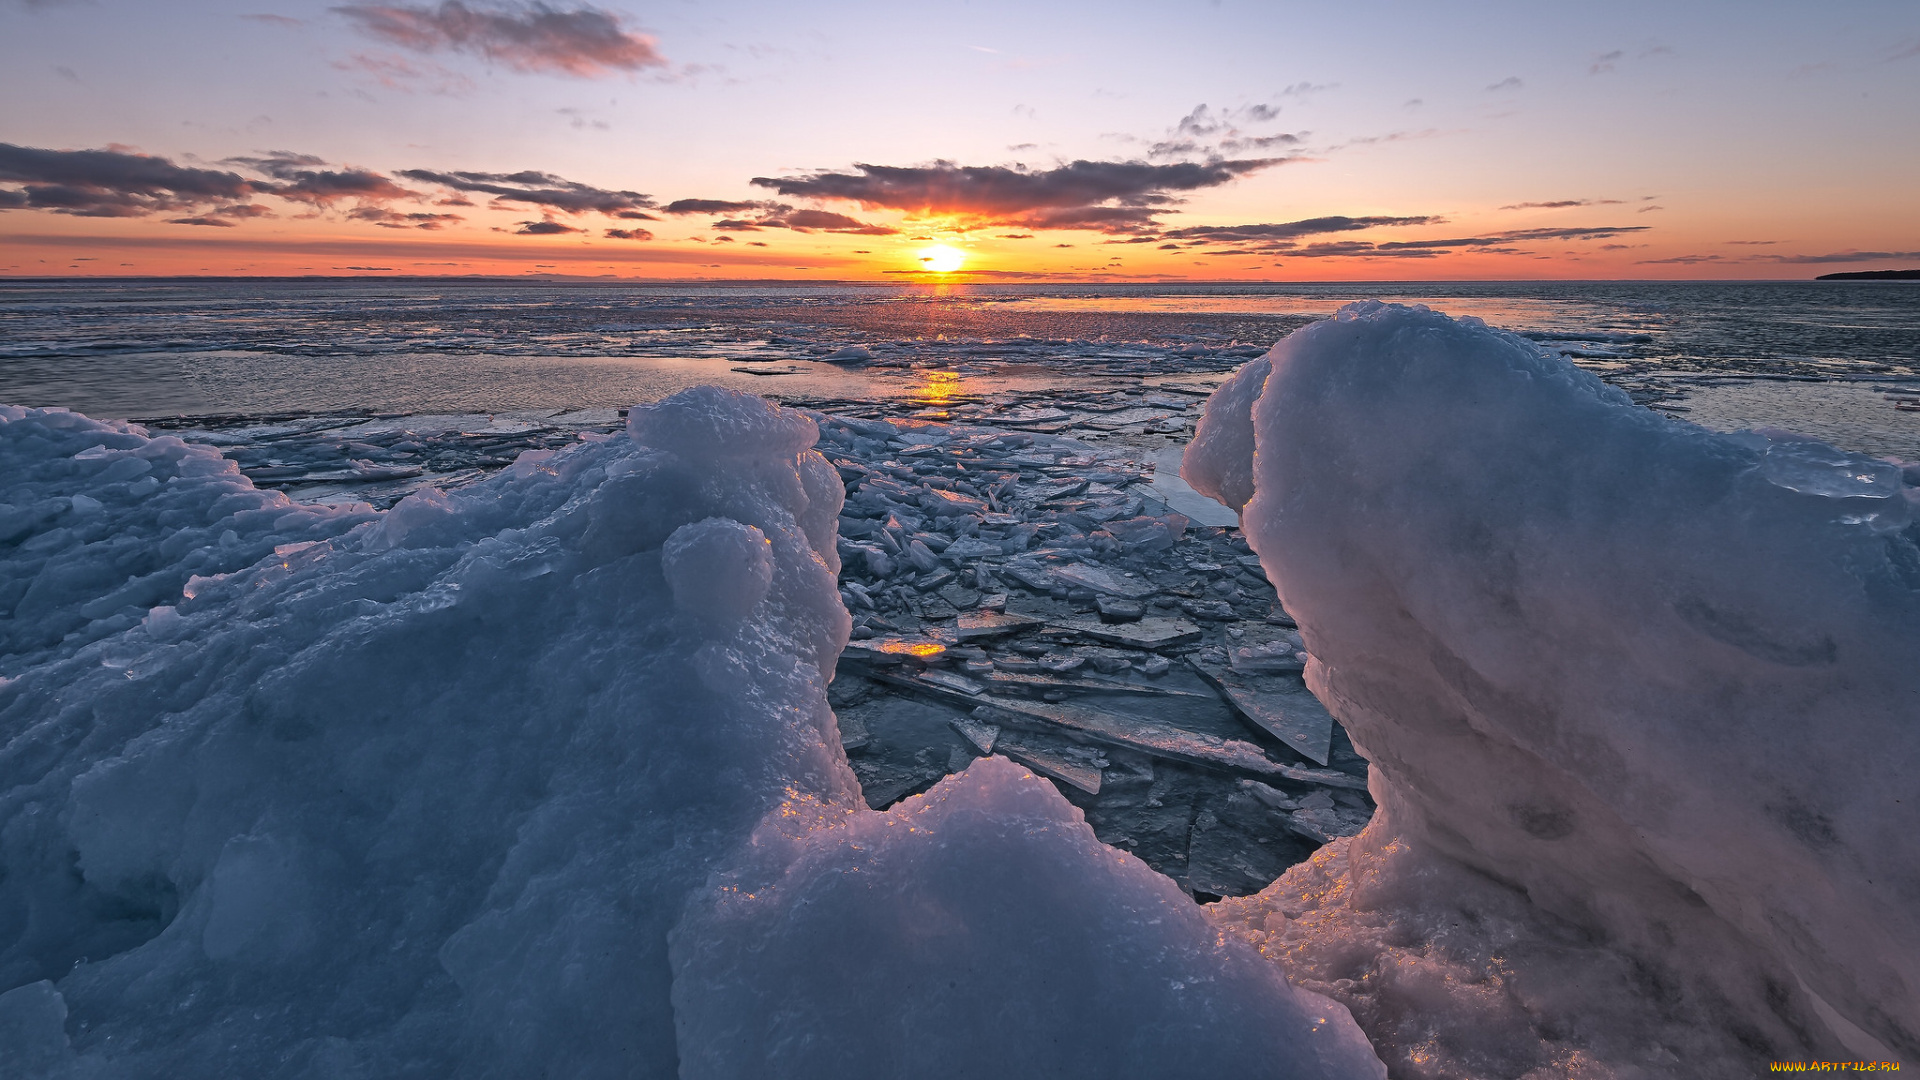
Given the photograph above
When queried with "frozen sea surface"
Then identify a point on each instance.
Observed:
(163, 348)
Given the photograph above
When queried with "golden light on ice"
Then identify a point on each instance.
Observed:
(942, 259)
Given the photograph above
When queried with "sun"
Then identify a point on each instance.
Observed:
(942, 259)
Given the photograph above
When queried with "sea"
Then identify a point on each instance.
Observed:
(1837, 360)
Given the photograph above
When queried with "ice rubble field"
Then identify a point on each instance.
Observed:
(1641, 702)
(532, 778)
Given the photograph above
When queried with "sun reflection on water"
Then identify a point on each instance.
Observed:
(941, 388)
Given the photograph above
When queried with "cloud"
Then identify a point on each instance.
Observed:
(1555, 204)
(274, 20)
(396, 72)
(1605, 62)
(1305, 90)
(305, 181)
(244, 210)
(584, 42)
(1511, 82)
(214, 221)
(1291, 229)
(1401, 249)
(708, 206)
(1681, 260)
(543, 190)
(1108, 196)
(1843, 257)
(1212, 134)
(824, 221)
(780, 216)
(111, 183)
(394, 219)
(549, 227)
(1598, 232)
(628, 234)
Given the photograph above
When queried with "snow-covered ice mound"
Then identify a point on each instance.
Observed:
(1642, 704)
(309, 792)
(980, 930)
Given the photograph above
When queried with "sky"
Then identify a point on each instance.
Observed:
(1215, 140)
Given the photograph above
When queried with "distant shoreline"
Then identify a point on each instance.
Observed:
(1872, 275)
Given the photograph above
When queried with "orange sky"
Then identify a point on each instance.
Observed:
(1360, 141)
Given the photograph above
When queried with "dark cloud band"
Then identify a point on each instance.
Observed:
(1110, 196)
(540, 189)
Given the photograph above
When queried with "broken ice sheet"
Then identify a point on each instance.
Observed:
(1280, 705)
(987, 624)
(1102, 580)
(1051, 763)
(1152, 632)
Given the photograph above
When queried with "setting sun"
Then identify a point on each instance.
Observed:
(942, 259)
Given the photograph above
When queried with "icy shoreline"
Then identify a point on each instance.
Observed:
(523, 777)
(539, 771)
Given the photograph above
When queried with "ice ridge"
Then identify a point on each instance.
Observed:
(1639, 700)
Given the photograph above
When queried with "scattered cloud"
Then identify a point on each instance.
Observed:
(274, 20)
(1681, 260)
(1606, 62)
(1106, 196)
(1287, 230)
(543, 190)
(584, 42)
(628, 234)
(1306, 90)
(1212, 134)
(580, 121)
(707, 206)
(221, 223)
(396, 72)
(1247, 241)
(244, 210)
(548, 227)
(1556, 204)
(394, 219)
(825, 221)
(306, 181)
(1843, 257)
(1511, 82)
(1598, 232)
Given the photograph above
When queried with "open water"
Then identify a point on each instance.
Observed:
(1838, 360)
